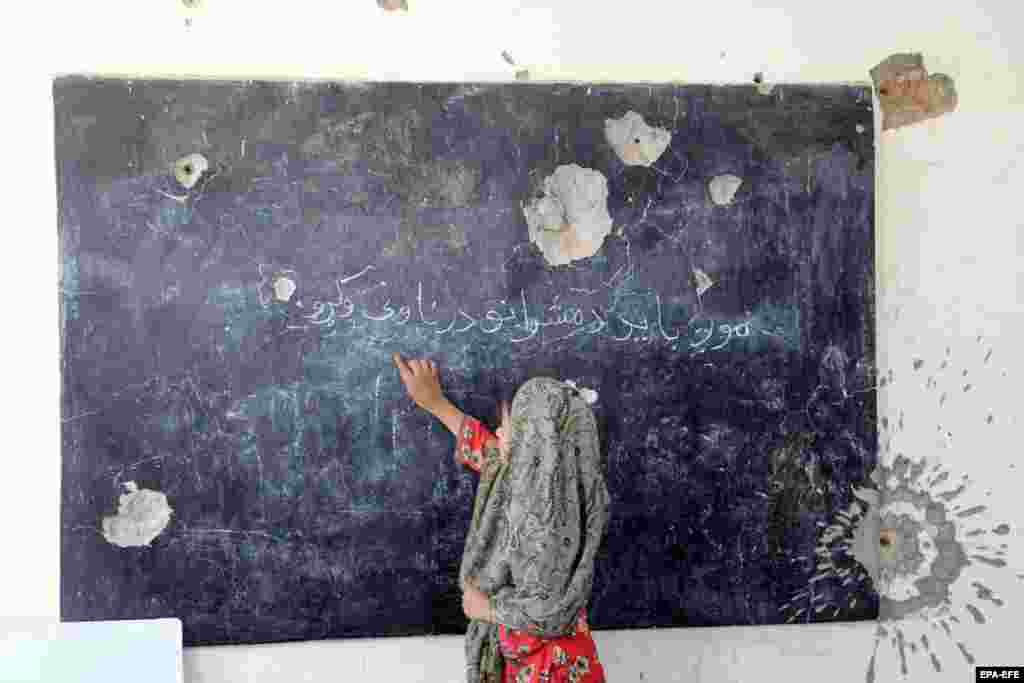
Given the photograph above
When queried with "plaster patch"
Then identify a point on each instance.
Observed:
(571, 220)
(722, 188)
(142, 515)
(908, 94)
(635, 142)
(188, 169)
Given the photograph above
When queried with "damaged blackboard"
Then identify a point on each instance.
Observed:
(239, 260)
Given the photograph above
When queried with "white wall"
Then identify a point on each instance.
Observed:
(948, 253)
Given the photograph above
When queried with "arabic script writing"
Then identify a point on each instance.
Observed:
(636, 315)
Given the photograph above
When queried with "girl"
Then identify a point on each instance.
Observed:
(540, 514)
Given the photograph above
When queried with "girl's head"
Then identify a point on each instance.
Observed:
(540, 401)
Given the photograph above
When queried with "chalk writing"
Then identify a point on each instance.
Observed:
(639, 316)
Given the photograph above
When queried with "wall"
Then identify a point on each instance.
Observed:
(948, 246)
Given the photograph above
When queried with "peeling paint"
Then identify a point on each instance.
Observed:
(908, 94)
(723, 188)
(571, 220)
(142, 515)
(635, 142)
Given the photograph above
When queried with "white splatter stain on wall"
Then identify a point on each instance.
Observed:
(912, 540)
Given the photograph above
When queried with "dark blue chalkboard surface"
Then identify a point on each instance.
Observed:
(239, 260)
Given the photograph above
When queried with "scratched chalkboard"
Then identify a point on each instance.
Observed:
(239, 260)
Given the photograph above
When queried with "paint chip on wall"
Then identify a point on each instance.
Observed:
(908, 94)
(723, 188)
(142, 515)
(571, 220)
(635, 142)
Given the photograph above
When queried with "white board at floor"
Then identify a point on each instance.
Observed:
(128, 651)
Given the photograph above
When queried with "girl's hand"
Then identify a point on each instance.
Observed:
(475, 604)
(422, 382)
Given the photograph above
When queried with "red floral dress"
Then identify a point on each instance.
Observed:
(529, 658)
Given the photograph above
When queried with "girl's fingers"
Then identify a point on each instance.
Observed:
(415, 366)
(403, 368)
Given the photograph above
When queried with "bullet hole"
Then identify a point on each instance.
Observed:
(189, 169)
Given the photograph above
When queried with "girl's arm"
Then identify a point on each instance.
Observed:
(474, 444)
(423, 383)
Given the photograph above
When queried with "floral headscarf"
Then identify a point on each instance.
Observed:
(538, 520)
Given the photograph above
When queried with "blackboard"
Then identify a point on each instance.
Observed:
(237, 449)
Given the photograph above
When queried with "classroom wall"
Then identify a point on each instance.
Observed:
(948, 229)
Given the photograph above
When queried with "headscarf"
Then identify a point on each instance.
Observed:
(538, 521)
